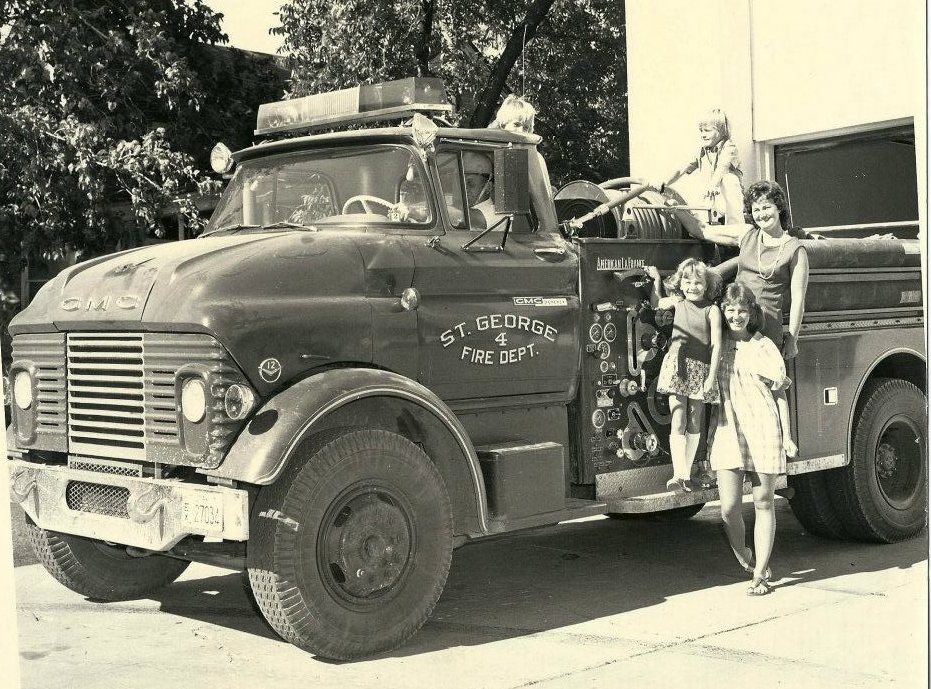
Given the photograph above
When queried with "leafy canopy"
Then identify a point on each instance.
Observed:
(575, 63)
(106, 103)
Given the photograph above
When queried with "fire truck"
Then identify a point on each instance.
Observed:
(384, 346)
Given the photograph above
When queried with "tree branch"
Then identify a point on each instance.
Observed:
(426, 38)
(488, 98)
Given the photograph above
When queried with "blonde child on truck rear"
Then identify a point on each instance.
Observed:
(718, 164)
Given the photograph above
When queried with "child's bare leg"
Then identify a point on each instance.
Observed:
(782, 404)
(693, 426)
(677, 449)
(764, 530)
(730, 491)
(732, 191)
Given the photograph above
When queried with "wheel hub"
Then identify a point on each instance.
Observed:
(899, 463)
(367, 545)
(886, 461)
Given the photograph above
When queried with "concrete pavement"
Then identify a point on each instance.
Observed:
(593, 603)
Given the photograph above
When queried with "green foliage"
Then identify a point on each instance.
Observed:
(575, 63)
(106, 103)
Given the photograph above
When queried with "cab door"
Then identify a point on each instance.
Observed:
(495, 324)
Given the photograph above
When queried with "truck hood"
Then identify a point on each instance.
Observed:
(182, 282)
(301, 298)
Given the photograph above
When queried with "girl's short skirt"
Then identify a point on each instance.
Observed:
(692, 385)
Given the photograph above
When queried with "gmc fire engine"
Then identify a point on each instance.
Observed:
(360, 366)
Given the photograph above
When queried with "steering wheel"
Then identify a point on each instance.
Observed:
(364, 200)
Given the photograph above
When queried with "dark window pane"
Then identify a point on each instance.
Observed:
(852, 180)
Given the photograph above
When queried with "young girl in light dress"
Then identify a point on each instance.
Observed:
(752, 434)
(718, 164)
(689, 370)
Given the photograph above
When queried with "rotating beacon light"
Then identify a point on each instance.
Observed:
(364, 103)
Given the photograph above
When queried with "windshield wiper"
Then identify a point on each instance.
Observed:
(232, 229)
(282, 224)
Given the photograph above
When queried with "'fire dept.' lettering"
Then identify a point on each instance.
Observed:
(506, 324)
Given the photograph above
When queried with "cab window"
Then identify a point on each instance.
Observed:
(467, 186)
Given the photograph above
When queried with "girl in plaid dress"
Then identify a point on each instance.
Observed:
(752, 434)
(689, 369)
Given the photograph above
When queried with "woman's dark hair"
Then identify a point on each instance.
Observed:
(771, 191)
(736, 293)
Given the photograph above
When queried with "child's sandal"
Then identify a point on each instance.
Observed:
(679, 485)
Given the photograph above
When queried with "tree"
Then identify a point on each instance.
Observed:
(113, 102)
(573, 51)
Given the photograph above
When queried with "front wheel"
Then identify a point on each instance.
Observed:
(882, 494)
(350, 549)
(98, 570)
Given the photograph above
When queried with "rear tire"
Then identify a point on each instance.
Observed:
(882, 495)
(350, 548)
(97, 570)
(812, 505)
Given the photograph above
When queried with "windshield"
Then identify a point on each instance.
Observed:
(358, 186)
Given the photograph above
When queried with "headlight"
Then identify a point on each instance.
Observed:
(238, 401)
(22, 390)
(193, 400)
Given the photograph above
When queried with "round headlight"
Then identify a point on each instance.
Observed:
(22, 390)
(221, 159)
(193, 400)
(238, 401)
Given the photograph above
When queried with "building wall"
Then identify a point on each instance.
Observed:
(821, 65)
(781, 69)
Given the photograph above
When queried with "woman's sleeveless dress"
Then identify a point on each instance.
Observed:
(773, 293)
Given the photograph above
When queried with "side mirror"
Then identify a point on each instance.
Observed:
(512, 181)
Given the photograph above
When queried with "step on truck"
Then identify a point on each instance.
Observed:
(383, 347)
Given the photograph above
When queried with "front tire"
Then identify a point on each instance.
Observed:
(350, 549)
(101, 571)
(882, 495)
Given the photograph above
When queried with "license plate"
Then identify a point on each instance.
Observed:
(202, 512)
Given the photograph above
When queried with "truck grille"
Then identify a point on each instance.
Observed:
(106, 395)
(121, 392)
(94, 497)
(46, 351)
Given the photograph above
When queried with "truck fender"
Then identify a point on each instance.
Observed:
(266, 444)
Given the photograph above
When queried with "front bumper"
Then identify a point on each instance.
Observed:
(143, 512)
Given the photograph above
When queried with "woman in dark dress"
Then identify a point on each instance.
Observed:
(772, 262)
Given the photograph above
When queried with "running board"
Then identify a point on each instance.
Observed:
(575, 509)
(657, 502)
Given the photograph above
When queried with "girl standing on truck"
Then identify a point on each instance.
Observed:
(772, 262)
(718, 163)
(689, 370)
(752, 434)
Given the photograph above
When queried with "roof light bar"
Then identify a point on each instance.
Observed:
(365, 103)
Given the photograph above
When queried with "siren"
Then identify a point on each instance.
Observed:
(365, 103)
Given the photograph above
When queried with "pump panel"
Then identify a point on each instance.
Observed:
(622, 422)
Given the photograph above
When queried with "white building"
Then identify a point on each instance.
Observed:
(825, 96)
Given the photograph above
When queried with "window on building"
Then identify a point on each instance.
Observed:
(854, 185)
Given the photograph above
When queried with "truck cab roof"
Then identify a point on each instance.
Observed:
(397, 134)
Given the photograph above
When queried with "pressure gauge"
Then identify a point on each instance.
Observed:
(598, 419)
(594, 332)
(610, 332)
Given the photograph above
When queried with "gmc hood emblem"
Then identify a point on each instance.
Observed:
(127, 302)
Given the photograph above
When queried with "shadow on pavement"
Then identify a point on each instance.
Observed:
(551, 578)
